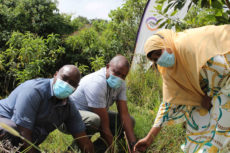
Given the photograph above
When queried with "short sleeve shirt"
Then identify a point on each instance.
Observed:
(33, 106)
(94, 92)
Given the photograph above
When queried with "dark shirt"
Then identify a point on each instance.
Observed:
(32, 105)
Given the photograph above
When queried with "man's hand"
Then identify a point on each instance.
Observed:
(126, 121)
(84, 143)
(26, 133)
(207, 102)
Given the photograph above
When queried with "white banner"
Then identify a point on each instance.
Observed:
(148, 26)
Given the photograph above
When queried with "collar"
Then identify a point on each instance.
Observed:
(51, 87)
(104, 71)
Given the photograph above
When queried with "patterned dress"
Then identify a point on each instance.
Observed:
(206, 131)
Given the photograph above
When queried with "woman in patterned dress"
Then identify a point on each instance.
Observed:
(195, 68)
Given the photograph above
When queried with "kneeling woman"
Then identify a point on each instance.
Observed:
(195, 67)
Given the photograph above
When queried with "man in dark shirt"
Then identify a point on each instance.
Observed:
(39, 106)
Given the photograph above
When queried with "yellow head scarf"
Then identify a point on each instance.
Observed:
(192, 49)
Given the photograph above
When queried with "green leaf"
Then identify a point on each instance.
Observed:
(219, 13)
(95, 137)
(174, 12)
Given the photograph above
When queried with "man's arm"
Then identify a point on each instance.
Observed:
(25, 112)
(126, 121)
(27, 134)
(84, 143)
(105, 129)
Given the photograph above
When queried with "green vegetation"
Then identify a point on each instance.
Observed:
(200, 13)
(36, 40)
(34, 36)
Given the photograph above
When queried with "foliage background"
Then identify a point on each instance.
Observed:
(36, 40)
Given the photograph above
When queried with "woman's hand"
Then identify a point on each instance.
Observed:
(142, 144)
(207, 102)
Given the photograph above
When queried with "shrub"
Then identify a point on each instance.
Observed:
(28, 56)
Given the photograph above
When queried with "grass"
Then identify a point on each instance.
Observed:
(168, 141)
(144, 97)
(56, 142)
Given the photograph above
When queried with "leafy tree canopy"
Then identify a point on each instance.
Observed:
(199, 13)
(37, 16)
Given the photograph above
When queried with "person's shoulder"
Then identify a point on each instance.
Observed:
(39, 85)
(123, 85)
(95, 78)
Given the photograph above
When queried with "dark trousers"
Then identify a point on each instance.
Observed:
(116, 124)
(92, 122)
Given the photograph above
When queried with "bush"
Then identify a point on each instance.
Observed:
(28, 56)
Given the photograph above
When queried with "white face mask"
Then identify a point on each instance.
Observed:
(166, 59)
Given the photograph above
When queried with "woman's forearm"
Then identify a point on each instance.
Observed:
(152, 134)
(144, 143)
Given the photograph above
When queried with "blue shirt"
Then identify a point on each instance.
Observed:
(93, 92)
(32, 105)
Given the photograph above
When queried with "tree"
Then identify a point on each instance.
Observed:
(37, 40)
(120, 35)
(100, 40)
(28, 56)
(79, 22)
(81, 47)
(37, 16)
(199, 13)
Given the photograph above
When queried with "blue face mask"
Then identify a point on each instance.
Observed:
(166, 59)
(114, 81)
(62, 89)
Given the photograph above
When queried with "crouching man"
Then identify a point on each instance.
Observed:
(97, 92)
(37, 107)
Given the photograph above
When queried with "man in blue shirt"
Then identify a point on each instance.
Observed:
(97, 92)
(37, 107)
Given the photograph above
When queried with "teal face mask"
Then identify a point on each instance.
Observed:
(62, 89)
(114, 81)
(166, 59)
